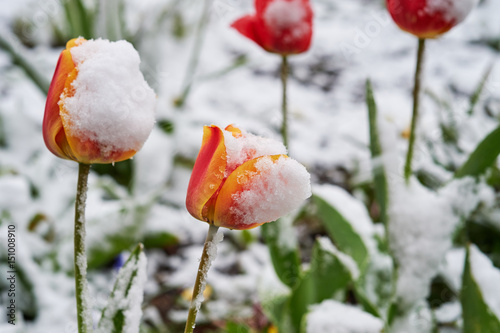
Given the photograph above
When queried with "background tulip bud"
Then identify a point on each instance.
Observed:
(279, 26)
(429, 18)
(241, 181)
(99, 108)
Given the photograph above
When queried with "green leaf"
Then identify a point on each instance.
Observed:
(302, 296)
(328, 273)
(477, 316)
(342, 233)
(474, 98)
(280, 238)
(276, 309)
(379, 175)
(232, 327)
(482, 157)
(123, 302)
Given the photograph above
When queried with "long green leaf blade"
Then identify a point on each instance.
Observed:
(482, 157)
(379, 176)
(477, 315)
(123, 309)
(280, 239)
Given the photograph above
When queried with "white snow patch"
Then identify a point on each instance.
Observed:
(247, 147)
(453, 268)
(277, 188)
(420, 228)
(421, 224)
(486, 276)
(285, 14)
(112, 103)
(343, 318)
(448, 312)
(453, 10)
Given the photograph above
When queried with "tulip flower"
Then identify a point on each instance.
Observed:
(99, 109)
(425, 19)
(279, 26)
(429, 18)
(240, 181)
(283, 27)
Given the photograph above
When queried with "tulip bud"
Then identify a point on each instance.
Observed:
(429, 18)
(241, 181)
(279, 26)
(99, 108)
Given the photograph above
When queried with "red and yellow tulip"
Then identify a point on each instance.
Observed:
(429, 18)
(255, 190)
(58, 139)
(279, 26)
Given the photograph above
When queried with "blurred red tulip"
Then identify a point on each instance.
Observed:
(279, 26)
(429, 18)
(241, 181)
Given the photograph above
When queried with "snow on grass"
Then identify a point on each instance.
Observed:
(126, 297)
(350, 208)
(343, 318)
(421, 225)
(487, 278)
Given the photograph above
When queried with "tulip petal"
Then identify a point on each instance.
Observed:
(261, 190)
(234, 130)
(247, 27)
(208, 173)
(53, 130)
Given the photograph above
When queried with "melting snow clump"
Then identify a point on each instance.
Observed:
(453, 10)
(421, 224)
(276, 189)
(282, 15)
(112, 104)
(248, 146)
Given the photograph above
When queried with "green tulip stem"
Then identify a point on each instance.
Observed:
(416, 104)
(81, 289)
(284, 107)
(209, 252)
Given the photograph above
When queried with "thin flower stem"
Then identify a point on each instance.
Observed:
(195, 54)
(201, 279)
(284, 107)
(416, 104)
(82, 306)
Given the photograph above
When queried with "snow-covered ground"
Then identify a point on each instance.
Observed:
(352, 41)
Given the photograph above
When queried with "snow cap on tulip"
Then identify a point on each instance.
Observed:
(429, 18)
(241, 181)
(99, 108)
(279, 26)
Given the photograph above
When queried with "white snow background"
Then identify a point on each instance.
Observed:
(352, 41)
